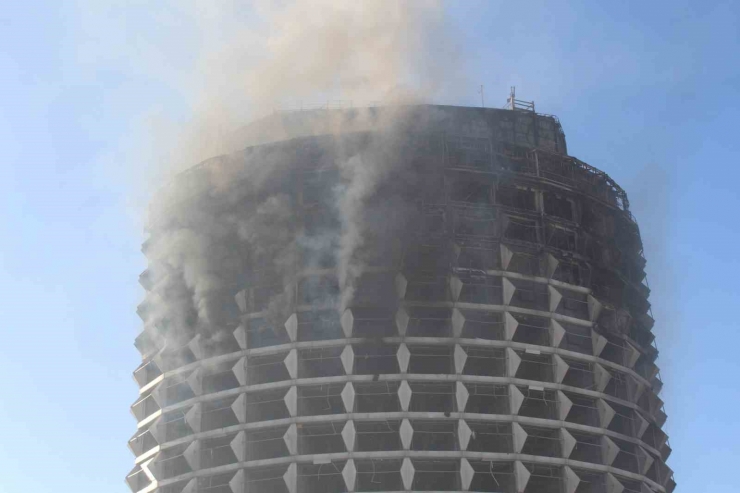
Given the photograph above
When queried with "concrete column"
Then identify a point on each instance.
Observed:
(518, 437)
(461, 396)
(291, 327)
(240, 371)
(239, 407)
(510, 326)
(466, 474)
(349, 474)
(456, 286)
(402, 321)
(404, 395)
(348, 359)
(291, 363)
(348, 321)
(291, 478)
(403, 355)
(458, 322)
(349, 435)
(290, 437)
(239, 446)
(508, 289)
(557, 332)
(464, 434)
(348, 397)
(407, 473)
(240, 334)
(238, 483)
(406, 432)
(564, 405)
(460, 357)
(554, 296)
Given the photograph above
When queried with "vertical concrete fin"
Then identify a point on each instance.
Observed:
(598, 342)
(456, 286)
(290, 437)
(238, 482)
(461, 396)
(567, 442)
(552, 265)
(196, 347)
(191, 487)
(240, 334)
(192, 455)
(407, 473)
(516, 398)
(348, 359)
(554, 296)
(635, 388)
(406, 432)
(291, 401)
(521, 476)
(458, 322)
(464, 434)
(512, 362)
(641, 425)
(291, 363)
(157, 430)
(348, 322)
(460, 357)
(594, 308)
(612, 484)
(349, 473)
(291, 327)
(606, 413)
(401, 285)
(644, 460)
(192, 417)
(564, 405)
(404, 395)
(570, 480)
(646, 489)
(506, 256)
(239, 407)
(561, 368)
(241, 300)
(601, 377)
(518, 437)
(348, 397)
(510, 326)
(609, 450)
(632, 354)
(240, 371)
(349, 435)
(291, 478)
(509, 289)
(556, 333)
(466, 474)
(239, 446)
(456, 250)
(403, 355)
(402, 321)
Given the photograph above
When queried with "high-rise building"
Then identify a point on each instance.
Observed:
(415, 298)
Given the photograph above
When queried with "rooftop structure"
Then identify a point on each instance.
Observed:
(421, 298)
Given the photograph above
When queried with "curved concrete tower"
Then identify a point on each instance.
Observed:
(420, 298)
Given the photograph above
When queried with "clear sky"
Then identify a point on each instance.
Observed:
(647, 91)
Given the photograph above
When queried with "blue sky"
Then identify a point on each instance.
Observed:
(647, 91)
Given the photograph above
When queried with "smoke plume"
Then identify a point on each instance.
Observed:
(230, 224)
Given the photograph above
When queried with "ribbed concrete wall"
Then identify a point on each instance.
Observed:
(500, 342)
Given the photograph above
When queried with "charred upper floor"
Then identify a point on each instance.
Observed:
(444, 285)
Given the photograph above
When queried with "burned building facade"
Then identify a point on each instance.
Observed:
(424, 298)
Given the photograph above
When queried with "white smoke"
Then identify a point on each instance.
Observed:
(294, 53)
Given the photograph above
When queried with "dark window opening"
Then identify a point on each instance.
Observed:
(434, 435)
(436, 475)
(558, 206)
(428, 322)
(266, 406)
(266, 369)
(518, 198)
(430, 359)
(374, 436)
(375, 359)
(489, 362)
(483, 325)
(321, 400)
(432, 397)
(217, 414)
(379, 397)
(487, 399)
(266, 444)
(320, 362)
